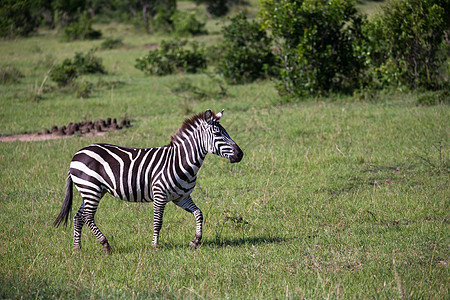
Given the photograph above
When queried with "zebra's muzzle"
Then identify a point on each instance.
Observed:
(237, 154)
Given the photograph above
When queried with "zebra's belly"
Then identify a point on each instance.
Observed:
(179, 190)
(175, 196)
(136, 193)
(130, 190)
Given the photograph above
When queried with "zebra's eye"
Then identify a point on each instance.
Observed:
(215, 128)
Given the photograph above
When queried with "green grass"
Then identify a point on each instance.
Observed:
(333, 199)
(370, 7)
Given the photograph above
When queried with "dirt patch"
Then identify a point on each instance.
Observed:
(85, 128)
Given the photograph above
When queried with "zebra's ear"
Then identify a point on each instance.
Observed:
(208, 116)
(219, 115)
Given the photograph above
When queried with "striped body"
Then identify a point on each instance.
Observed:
(157, 175)
(139, 173)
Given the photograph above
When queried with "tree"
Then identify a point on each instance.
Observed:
(247, 51)
(149, 9)
(17, 18)
(406, 42)
(68, 11)
(219, 8)
(319, 44)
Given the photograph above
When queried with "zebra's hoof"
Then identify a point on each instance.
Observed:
(76, 247)
(193, 245)
(107, 248)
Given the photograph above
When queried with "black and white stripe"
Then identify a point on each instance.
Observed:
(160, 175)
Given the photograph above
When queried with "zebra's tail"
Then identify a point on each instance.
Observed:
(67, 204)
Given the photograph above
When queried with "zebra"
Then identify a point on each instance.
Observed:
(161, 175)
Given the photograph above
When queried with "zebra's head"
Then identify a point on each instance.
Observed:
(218, 141)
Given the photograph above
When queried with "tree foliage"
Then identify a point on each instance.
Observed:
(21, 17)
(327, 46)
(247, 51)
(319, 44)
(216, 8)
(186, 24)
(312, 46)
(17, 18)
(81, 29)
(67, 11)
(405, 42)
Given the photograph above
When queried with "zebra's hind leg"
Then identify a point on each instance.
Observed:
(88, 219)
(77, 227)
(189, 205)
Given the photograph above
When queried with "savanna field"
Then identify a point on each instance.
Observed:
(336, 196)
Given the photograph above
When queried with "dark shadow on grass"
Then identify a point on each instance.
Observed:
(212, 243)
(256, 240)
(244, 241)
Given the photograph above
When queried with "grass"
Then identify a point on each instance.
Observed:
(333, 199)
(370, 7)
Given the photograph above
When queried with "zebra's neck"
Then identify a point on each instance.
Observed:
(189, 153)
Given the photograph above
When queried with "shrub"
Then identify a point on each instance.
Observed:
(81, 29)
(9, 74)
(320, 44)
(213, 53)
(111, 43)
(64, 73)
(187, 24)
(434, 98)
(88, 63)
(163, 21)
(247, 51)
(172, 57)
(217, 8)
(405, 42)
(84, 89)
(68, 70)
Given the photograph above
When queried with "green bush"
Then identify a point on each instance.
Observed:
(163, 20)
(68, 70)
(320, 44)
(111, 43)
(213, 53)
(173, 56)
(84, 89)
(87, 63)
(64, 73)
(81, 30)
(405, 43)
(247, 52)
(187, 24)
(434, 98)
(217, 8)
(9, 74)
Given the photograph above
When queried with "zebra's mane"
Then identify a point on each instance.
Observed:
(188, 126)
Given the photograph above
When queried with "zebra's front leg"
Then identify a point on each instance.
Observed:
(189, 205)
(199, 224)
(158, 212)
